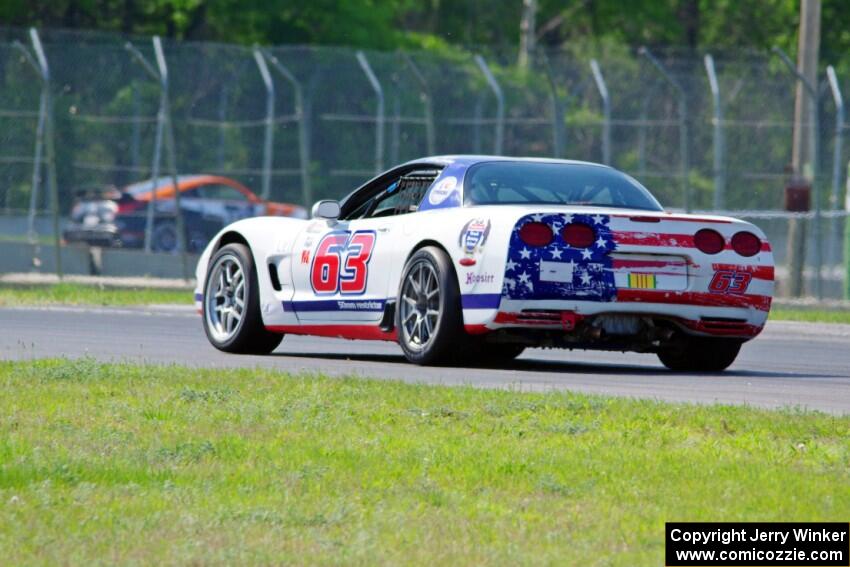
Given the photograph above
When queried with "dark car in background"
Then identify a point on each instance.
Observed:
(118, 217)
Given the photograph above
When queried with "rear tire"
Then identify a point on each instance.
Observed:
(700, 354)
(429, 317)
(232, 319)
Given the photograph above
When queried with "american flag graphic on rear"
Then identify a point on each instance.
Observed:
(649, 262)
(560, 271)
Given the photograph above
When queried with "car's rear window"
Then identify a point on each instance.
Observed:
(516, 182)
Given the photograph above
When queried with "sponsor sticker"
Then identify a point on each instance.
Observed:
(639, 280)
(442, 190)
(360, 305)
(473, 278)
(474, 235)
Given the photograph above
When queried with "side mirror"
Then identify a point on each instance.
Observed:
(326, 209)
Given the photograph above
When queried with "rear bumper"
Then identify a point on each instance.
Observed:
(487, 313)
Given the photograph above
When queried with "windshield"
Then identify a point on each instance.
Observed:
(521, 183)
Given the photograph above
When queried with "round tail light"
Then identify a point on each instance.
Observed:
(709, 241)
(746, 243)
(536, 234)
(578, 235)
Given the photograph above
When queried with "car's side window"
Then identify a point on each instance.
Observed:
(223, 193)
(399, 197)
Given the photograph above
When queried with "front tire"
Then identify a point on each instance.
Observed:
(429, 316)
(232, 319)
(700, 354)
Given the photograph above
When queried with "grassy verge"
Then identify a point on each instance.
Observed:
(810, 315)
(153, 464)
(78, 294)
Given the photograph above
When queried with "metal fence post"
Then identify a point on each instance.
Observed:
(223, 103)
(268, 139)
(50, 153)
(684, 154)
(379, 111)
(835, 232)
(641, 134)
(164, 128)
(557, 110)
(32, 234)
(136, 132)
(847, 240)
(818, 220)
(718, 138)
(606, 110)
(171, 153)
(302, 114)
(395, 129)
(157, 145)
(500, 103)
(427, 105)
(477, 117)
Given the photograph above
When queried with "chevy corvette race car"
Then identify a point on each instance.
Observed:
(471, 259)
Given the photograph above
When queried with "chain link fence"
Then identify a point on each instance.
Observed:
(706, 132)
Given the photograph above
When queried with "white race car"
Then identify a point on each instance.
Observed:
(471, 259)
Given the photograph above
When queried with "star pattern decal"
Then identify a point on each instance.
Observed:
(591, 267)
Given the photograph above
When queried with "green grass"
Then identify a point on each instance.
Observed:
(146, 464)
(810, 315)
(78, 294)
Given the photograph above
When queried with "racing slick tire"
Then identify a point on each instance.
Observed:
(700, 354)
(429, 317)
(231, 304)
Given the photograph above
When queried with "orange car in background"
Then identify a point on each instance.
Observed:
(208, 203)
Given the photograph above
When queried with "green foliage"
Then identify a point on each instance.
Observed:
(387, 24)
(149, 465)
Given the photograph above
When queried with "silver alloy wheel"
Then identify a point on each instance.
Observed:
(420, 305)
(225, 297)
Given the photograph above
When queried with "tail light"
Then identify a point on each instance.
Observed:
(578, 235)
(746, 243)
(536, 234)
(127, 207)
(709, 241)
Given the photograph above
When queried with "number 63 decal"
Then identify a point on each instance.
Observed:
(341, 263)
(730, 281)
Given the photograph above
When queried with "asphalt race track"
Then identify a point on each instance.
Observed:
(790, 364)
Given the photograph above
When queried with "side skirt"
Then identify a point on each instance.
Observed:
(352, 332)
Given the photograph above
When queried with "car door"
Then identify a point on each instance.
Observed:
(341, 268)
